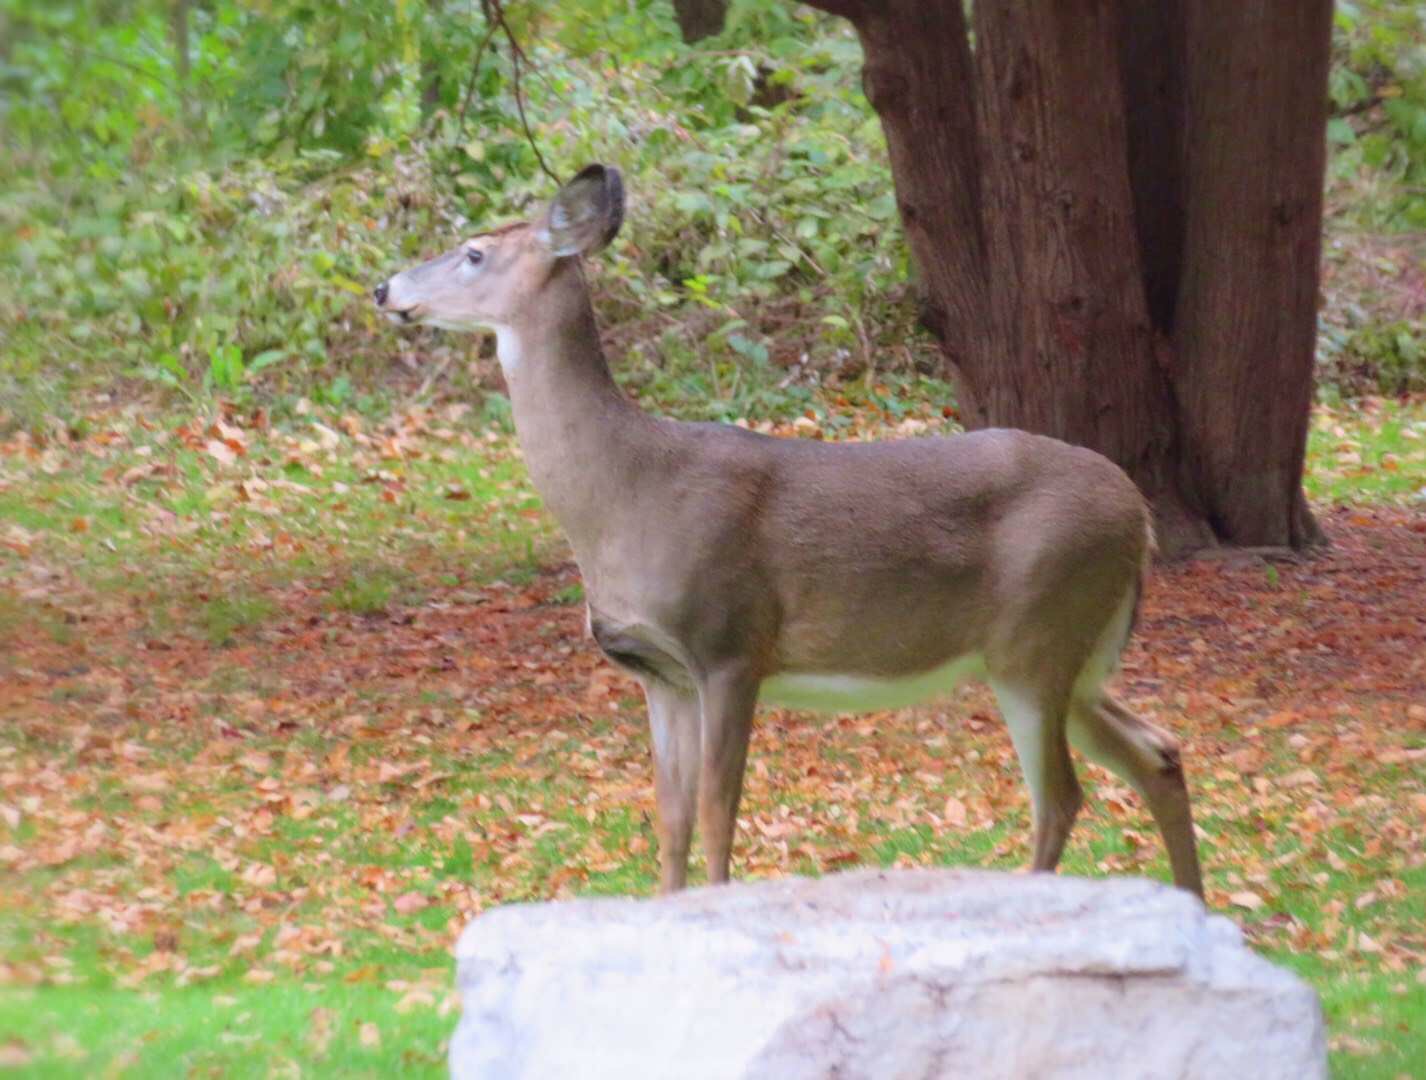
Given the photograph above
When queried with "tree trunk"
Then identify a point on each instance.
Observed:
(1072, 351)
(183, 60)
(698, 19)
(431, 88)
(1245, 335)
(919, 78)
(1115, 209)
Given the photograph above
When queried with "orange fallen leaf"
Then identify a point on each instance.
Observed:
(954, 812)
(14, 1054)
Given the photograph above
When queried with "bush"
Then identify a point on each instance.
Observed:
(217, 231)
(762, 229)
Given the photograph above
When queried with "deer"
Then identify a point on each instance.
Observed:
(724, 568)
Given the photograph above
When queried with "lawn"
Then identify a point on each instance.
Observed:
(284, 703)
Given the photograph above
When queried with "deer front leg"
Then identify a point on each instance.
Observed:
(729, 697)
(675, 731)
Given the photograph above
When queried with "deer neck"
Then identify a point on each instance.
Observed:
(581, 437)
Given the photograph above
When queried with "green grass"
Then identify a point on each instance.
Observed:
(331, 834)
(365, 593)
(222, 617)
(146, 508)
(226, 1029)
(1369, 451)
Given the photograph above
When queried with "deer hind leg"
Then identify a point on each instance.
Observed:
(675, 730)
(1036, 719)
(729, 698)
(1106, 732)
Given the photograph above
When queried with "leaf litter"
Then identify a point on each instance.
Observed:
(336, 789)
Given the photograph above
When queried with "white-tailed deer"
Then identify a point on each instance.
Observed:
(724, 568)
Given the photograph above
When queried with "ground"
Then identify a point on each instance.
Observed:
(284, 702)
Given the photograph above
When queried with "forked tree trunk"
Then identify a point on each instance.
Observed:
(1115, 209)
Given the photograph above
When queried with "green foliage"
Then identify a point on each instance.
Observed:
(1378, 92)
(216, 233)
(235, 259)
(1377, 357)
(222, 617)
(365, 594)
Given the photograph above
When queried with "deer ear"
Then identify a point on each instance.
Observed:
(586, 214)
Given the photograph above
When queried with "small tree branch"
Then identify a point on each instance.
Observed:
(490, 27)
(1357, 107)
(104, 58)
(517, 59)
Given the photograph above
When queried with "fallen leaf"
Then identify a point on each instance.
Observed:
(14, 1054)
(954, 812)
(417, 998)
(220, 452)
(260, 875)
(1300, 778)
(244, 943)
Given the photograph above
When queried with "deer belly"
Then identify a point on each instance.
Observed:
(836, 692)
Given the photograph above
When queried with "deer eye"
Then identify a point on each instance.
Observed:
(474, 257)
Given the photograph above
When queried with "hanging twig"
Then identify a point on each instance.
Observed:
(440, 370)
(490, 27)
(107, 59)
(518, 58)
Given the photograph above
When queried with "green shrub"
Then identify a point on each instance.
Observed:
(219, 235)
(1375, 358)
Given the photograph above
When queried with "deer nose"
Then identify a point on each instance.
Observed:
(380, 294)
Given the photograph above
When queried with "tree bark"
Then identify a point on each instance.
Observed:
(1245, 335)
(1072, 351)
(919, 78)
(1152, 76)
(183, 60)
(698, 19)
(1114, 207)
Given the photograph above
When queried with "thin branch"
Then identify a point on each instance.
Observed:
(106, 59)
(530, 64)
(1365, 105)
(518, 58)
(491, 27)
(440, 370)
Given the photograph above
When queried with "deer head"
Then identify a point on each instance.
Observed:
(494, 279)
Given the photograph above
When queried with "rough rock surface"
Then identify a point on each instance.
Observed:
(899, 974)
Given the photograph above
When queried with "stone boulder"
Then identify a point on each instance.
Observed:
(880, 975)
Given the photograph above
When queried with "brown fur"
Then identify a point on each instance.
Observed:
(715, 558)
